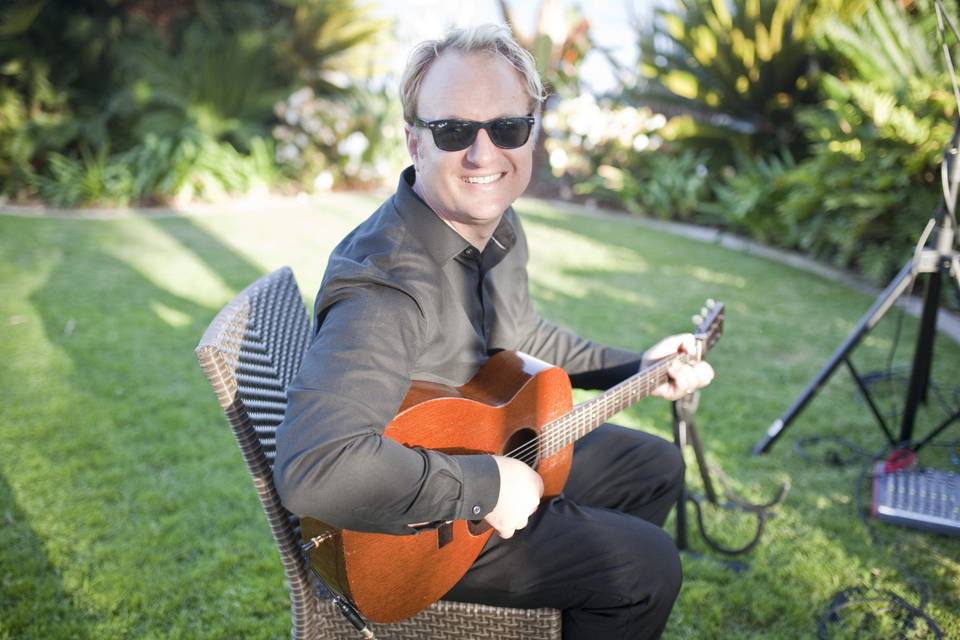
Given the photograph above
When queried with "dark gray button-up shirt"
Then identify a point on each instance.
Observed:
(406, 298)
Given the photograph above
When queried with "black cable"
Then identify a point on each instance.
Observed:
(346, 608)
(898, 329)
(743, 505)
(718, 547)
(736, 503)
(853, 597)
(948, 399)
(831, 457)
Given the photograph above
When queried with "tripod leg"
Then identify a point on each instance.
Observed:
(922, 356)
(894, 290)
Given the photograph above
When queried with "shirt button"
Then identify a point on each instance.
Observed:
(470, 252)
(476, 509)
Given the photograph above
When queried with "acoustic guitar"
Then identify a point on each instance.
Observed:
(516, 406)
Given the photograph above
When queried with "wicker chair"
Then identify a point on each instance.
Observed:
(250, 353)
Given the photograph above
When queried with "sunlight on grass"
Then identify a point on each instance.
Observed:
(160, 258)
(715, 277)
(171, 316)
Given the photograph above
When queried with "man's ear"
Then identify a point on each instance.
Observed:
(413, 143)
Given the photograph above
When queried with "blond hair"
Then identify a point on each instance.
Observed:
(494, 39)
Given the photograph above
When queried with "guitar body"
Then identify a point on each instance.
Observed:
(502, 407)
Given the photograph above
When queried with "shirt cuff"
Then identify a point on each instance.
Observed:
(481, 486)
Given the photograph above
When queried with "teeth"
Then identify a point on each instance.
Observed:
(482, 179)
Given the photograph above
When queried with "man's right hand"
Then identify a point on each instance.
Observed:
(520, 491)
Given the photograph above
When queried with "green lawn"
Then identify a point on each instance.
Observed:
(127, 512)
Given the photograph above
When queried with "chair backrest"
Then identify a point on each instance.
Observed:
(250, 353)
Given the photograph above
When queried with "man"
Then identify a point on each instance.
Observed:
(432, 283)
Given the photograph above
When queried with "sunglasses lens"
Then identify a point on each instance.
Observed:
(509, 133)
(455, 135)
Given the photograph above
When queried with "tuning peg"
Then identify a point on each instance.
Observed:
(711, 303)
(697, 319)
(703, 311)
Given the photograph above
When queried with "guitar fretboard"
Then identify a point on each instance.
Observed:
(587, 416)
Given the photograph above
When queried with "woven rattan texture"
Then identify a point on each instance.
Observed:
(250, 354)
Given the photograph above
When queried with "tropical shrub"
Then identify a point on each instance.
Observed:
(221, 86)
(615, 154)
(94, 177)
(731, 73)
(748, 199)
(559, 41)
(351, 141)
(878, 137)
(825, 128)
(588, 140)
(664, 185)
(47, 62)
(676, 184)
(159, 100)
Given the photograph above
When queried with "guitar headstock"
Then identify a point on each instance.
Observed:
(709, 325)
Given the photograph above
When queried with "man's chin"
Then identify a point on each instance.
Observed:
(488, 213)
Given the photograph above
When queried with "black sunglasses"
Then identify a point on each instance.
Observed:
(457, 135)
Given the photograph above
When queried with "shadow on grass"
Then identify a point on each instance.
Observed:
(236, 270)
(33, 601)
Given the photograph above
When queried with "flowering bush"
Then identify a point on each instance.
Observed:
(351, 141)
(584, 134)
(616, 153)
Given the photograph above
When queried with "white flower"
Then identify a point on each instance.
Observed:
(558, 160)
(300, 97)
(657, 121)
(323, 181)
(353, 145)
(287, 153)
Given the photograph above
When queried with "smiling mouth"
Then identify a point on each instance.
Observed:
(483, 179)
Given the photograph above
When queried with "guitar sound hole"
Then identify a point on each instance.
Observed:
(521, 445)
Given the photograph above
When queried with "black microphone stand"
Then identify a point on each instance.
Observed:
(935, 260)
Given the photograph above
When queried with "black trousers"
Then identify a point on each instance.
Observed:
(597, 551)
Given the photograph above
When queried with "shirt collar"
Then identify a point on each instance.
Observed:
(438, 238)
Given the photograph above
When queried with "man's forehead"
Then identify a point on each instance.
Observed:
(472, 85)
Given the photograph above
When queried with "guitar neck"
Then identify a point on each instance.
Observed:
(587, 416)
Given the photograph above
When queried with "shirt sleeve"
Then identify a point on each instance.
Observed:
(333, 462)
(590, 365)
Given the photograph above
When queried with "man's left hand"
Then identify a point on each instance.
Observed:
(681, 378)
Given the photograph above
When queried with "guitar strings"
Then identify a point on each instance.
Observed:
(551, 434)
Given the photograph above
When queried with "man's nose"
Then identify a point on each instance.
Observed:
(482, 150)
